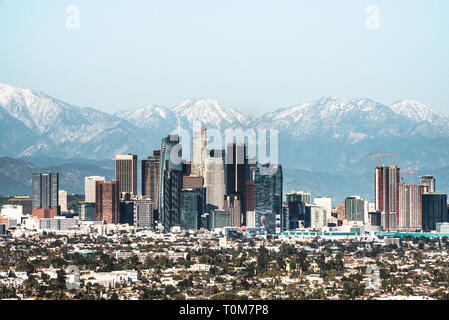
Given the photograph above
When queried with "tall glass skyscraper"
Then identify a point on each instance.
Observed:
(268, 196)
(170, 181)
(45, 187)
(193, 205)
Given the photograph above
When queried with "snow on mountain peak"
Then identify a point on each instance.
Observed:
(416, 111)
(211, 112)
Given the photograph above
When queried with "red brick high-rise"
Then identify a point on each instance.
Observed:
(107, 200)
(386, 194)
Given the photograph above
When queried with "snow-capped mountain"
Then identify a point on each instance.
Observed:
(353, 120)
(211, 113)
(57, 128)
(327, 133)
(151, 117)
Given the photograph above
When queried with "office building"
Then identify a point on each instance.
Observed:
(341, 211)
(410, 206)
(428, 182)
(214, 182)
(296, 212)
(150, 177)
(172, 196)
(386, 194)
(62, 198)
(233, 204)
(355, 209)
(23, 201)
(219, 219)
(143, 212)
(268, 194)
(302, 196)
(107, 201)
(250, 195)
(87, 211)
(434, 210)
(89, 187)
(45, 188)
(315, 217)
(199, 151)
(236, 171)
(126, 173)
(326, 203)
(127, 211)
(170, 181)
(12, 211)
(193, 206)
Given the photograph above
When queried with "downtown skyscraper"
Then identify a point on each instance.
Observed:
(45, 188)
(89, 187)
(268, 196)
(170, 181)
(150, 176)
(107, 199)
(199, 151)
(126, 173)
(236, 173)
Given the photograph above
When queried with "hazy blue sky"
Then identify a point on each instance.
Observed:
(253, 55)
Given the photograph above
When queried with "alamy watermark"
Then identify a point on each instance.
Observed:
(72, 277)
(72, 21)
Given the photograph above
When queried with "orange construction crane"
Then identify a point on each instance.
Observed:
(378, 155)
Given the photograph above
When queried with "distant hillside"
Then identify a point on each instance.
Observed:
(16, 175)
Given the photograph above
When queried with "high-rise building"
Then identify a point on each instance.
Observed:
(434, 210)
(143, 212)
(341, 211)
(172, 198)
(87, 211)
(107, 201)
(428, 182)
(45, 190)
(127, 211)
(236, 171)
(89, 187)
(150, 176)
(268, 192)
(296, 212)
(193, 206)
(233, 204)
(326, 203)
(285, 220)
(315, 217)
(126, 173)
(219, 219)
(23, 201)
(199, 151)
(410, 206)
(250, 195)
(386, 194)
(62, 198)
(355, 209)
(170, 181)
(302, 196)
(214, 182)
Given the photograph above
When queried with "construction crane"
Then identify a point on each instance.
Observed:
(411, 171)
(378, 155)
